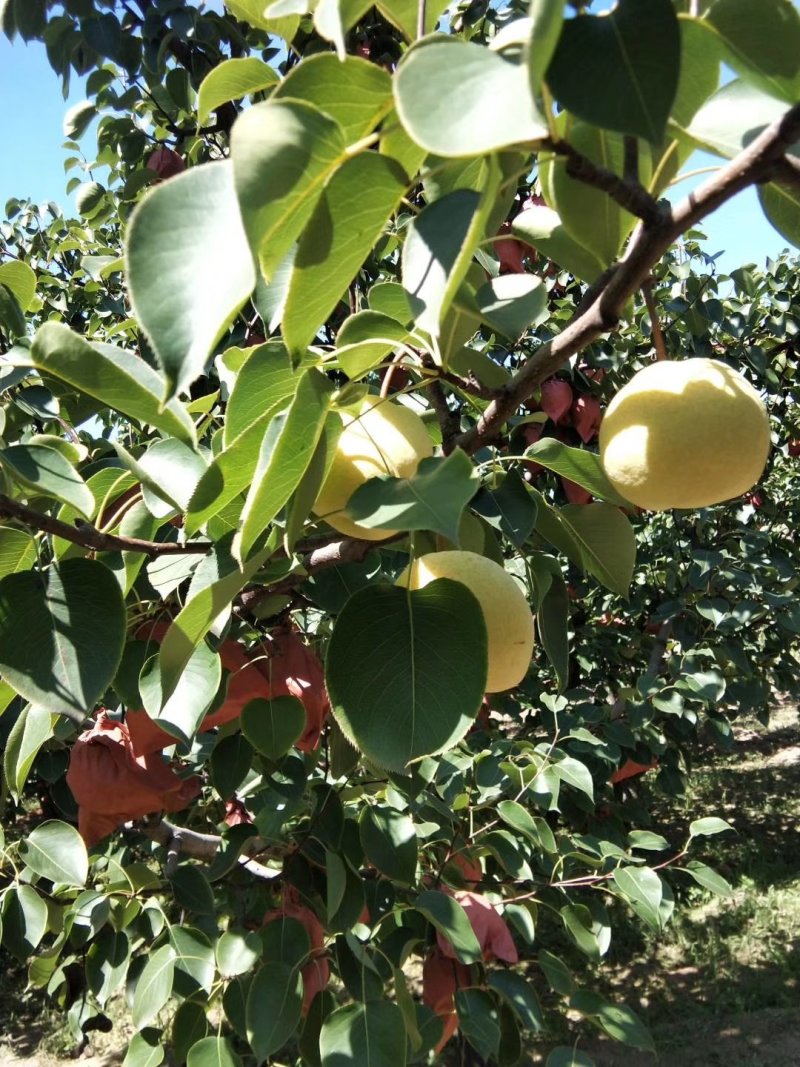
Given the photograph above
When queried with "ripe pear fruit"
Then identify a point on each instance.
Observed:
(509, 623)
(684, 434)
(384, 438)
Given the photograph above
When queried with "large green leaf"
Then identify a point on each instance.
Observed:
(546, 18)
(231, 80)
(61, 634)
(286, 451)
(55, 850)
(24, 920)
(274, 1007)
(283, 153)
(222, 580)
(450, 919)
(606, 540)
(761, 42)
(512, 303)
(154, 986)
(576, 464)
(364, 1035)
(552, 613)
(437, 252)
(406, 670)
(617, 1020)
(43, 470)
(266, 380)
(619, 70)
(447, 93)
(189, 230)
(29, 733)
(434, 497)
(519, 994)
(541, 227)
(17, 550)
(212, 1052)
(353, 91)
(479, 1018)
(365, 339)
(20, 280)
(733, 117)
(181, 712)
(389, 842)
(349, 217)
(781, 205)
(273, 726)
(115, 377)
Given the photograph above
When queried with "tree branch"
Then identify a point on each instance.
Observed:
(655, 324)
(85, 535)
(178, 840)
(627, 191)
(599, 312)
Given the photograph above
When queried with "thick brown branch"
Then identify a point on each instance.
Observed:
(178, 840)
(627, 192)
(85, 535)
(600, 310)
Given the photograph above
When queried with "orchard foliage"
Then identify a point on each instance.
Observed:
(251, 785)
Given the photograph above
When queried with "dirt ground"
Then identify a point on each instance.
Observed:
(722, 993)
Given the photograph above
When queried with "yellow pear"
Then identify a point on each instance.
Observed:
(509, 623)
(684, 434)
(384, 438)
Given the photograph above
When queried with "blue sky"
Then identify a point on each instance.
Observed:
(32, 109)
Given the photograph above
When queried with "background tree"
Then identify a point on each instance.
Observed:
(299, 209)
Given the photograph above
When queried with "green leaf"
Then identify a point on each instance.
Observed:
(333, 18)
(447, 92)
(192, 889)
(546, 17)
(451, 921)
(28, 734)
(194, 959)
(617, 1020)
(154, 986)
(237, 952)
(607, 542)
(574, 773)
(181, 712)
(348, 218)
(432, 499)
(781, 205)
(212, 1052)
(366, 338)
(519, 819)
(390, 842)
(55, 850)
(578, 923)
(24, 920)
(708, 827)
(189, 1025)
(61, 635)
(353, 91)
(520, 996)
(511, 303)
(78, 119)
(762, 43)
(643, 890)
(196, 618)
(274, 1007)
(404, 14)
(552, 614)
(578, 465)
(733, 117)
(115, 377)
(43, 470)
(20, 280)
(558, 975)
(438, 248)
(266, 381)
(145, 1049)
(273, 726)
(510, 508)
(12, 319)
(17, 550)
(286, 451)
(188, 229)
(305, 495)
(406, 671)
(231, 80)
(107, 963)
(479, 1018)
(620, 70)
(364, 1035)
(283, 153)
(708, 878)
(230, 762)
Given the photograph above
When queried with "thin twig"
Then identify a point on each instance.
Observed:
(655, 325)
(85, 535)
